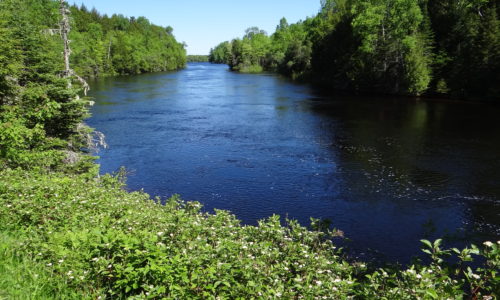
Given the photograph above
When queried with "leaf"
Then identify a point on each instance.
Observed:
(427, 243)
(432, 293)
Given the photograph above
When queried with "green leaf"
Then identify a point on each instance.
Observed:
(427, 243)
(432, 293)
(437, 243)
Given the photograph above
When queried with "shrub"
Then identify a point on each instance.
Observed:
(91, 234)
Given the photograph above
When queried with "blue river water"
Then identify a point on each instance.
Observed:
(386, 171)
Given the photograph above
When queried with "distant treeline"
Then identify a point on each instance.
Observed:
(121, 45)
(197, 58)
(409, 47)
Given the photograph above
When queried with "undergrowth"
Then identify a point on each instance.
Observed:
(75, 236)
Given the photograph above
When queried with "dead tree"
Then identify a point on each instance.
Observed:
(93, 138)
(64, 29)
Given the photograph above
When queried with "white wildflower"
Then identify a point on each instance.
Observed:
(488, 244)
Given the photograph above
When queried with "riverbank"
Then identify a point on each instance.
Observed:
(87, 237)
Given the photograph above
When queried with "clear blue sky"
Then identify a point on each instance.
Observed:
(202, 24)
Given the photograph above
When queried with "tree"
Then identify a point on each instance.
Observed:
(392, 50)
(467, 43)
(253, 31)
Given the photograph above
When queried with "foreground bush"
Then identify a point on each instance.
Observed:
(95, 239)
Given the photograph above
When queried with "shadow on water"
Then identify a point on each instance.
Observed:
(387, 171)
(424, 157)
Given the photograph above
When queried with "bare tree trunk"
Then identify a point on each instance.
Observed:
(65, 28)
(109, 49)
(384, 45)
(95, 138)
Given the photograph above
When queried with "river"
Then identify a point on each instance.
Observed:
(386, 171)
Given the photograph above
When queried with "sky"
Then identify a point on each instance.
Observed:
(203, 24)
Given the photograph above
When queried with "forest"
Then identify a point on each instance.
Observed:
(434, 47)
(113, 45)
(197, 58)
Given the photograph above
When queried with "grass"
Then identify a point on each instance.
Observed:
(23, 277)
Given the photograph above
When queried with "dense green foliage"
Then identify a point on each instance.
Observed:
(67, 233)
(40, 116)
(105, 45)
(387, 46)
(197, 58)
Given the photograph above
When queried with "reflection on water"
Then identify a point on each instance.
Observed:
(388, 172)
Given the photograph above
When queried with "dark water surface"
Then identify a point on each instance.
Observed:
(387, 172)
